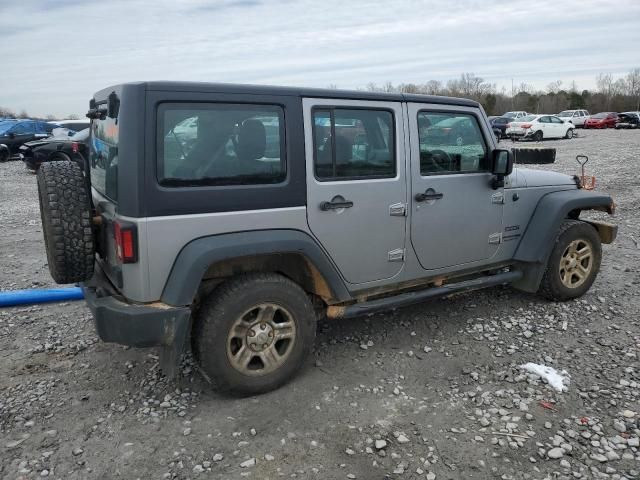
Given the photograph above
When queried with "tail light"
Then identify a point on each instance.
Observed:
(75, 147)
(126, 237)
(508, 125)
(526, 125)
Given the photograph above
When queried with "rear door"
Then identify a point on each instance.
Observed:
(456, 217)
(356, 187)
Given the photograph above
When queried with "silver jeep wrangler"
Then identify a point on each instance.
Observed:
(233, 217)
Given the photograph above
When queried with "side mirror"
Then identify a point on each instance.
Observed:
(502, 165)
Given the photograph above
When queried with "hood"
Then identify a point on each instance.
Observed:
(542, 178)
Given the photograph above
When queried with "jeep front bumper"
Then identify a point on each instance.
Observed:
(136, 325)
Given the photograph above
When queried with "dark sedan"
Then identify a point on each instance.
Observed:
(14, 133)
(628, 120)
(54, 149)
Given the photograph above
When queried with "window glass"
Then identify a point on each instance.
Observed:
(220, 144)
(555, 120)
(353, 144)
(450, 143)
(24, 128)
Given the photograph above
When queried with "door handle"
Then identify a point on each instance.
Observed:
(326, 206)
(429, 194)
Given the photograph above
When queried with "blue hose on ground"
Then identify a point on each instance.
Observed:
(10, 298)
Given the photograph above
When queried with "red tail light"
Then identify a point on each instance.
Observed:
(126, 242)
(75, 147)
(526, 125)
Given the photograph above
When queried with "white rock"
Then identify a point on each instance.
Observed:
(248, 463)
(349, 451)
(218, 457)
(555, 453)
(380, 444)
(402, 438)
(431, 476)
(268, 457)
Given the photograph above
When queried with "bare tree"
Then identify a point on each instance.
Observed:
(23, 114)
(604, 83)
(633, 86)
(432, 87)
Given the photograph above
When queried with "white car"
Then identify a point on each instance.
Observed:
(577, 117)
(537, 127)
(516, 114)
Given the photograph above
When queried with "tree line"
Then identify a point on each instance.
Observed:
(8, 113)
(611, 94)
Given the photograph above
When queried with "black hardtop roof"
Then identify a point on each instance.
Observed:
(299, 92)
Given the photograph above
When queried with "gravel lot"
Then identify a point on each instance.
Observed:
(432, 391)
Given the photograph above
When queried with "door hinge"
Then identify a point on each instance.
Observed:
(396, 255)
(398, 210)
(495, 238)
(497, 197)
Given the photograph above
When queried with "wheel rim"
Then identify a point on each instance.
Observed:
(569, 133)
(261, 339)
(576, 263)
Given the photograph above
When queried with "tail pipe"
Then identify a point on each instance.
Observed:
(11, 298)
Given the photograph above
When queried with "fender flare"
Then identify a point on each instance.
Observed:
(539, 237)
(195, 258)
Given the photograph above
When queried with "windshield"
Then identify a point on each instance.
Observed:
(599, 115)
(510, 114)
(566, 113)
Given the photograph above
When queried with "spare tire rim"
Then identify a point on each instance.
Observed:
(261, 339)
(576, 263)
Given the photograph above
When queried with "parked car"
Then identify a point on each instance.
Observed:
(516, 114)
(58, 148)
(539, 127)
(628, 120)
(14, 133)
(238, 241)
(499, 125)
(74, 125)
(602, 120)
(577, 117)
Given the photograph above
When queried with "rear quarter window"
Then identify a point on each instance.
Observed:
(104, 156)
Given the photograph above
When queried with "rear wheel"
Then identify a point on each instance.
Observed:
(574, 262)
(4, 155)
(253, 333)
(65, 210)
(538, 136)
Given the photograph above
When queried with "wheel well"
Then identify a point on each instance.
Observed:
(294, 266)
(60, 155)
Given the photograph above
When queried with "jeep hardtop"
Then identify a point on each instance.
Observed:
(232, 217)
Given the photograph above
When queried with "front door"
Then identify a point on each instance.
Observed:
(456, 215)
(356, 185)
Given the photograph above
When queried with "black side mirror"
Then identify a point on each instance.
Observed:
(502, 165)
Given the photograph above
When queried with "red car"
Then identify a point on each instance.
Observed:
(601, 120)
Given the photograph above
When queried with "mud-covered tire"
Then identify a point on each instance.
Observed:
(65, 210)
(572, 232)
(217, 321)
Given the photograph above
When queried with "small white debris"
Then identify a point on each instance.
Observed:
(558, 380)
(349, 451)
(268, 457)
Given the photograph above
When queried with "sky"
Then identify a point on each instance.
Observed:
(57, 53)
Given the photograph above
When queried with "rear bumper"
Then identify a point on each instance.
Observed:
(136, 325)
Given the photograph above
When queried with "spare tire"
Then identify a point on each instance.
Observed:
(65, 210)
(534, 155)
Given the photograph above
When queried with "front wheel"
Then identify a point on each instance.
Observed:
(574, 262)
(253, 333)
(569, 134)
(4, 155)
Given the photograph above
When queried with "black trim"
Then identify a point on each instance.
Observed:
(161, 200)
(195, 258)
(479, 122)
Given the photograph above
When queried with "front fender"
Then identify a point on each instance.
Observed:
(539, 237)
(196, 257)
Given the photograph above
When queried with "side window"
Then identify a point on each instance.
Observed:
(220, 144)
(353, 144)
(23, 128)
(451, 143)
(555, 120)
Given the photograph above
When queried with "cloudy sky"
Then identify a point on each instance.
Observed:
(56, 53)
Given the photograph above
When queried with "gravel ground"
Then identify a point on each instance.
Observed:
(432, 391)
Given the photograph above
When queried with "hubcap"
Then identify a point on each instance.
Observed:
(261, 339)
(576, 263)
